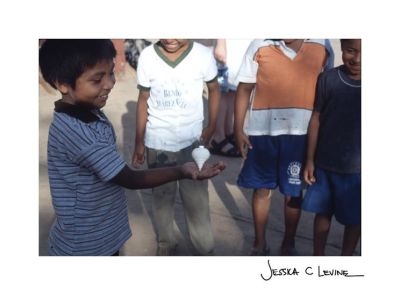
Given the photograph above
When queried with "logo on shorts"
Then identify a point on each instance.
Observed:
(294, 173)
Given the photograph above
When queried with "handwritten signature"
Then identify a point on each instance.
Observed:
(308, 271)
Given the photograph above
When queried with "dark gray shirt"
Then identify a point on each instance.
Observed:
(338, 99)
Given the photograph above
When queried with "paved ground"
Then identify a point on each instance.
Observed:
(230, 205)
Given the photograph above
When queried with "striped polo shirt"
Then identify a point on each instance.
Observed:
(285, 82)
(91, 212)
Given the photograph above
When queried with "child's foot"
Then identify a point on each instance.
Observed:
(289, 251)
(166, 251)
(259, 252)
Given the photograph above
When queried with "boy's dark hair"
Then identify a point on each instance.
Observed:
(64, 60)
(342, 41)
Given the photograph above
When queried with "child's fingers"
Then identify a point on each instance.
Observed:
(218, 167)
(244, 151)
(138, 160)
(309, 177)
(248, 143)
(244, 148)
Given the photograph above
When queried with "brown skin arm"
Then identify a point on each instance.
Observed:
(220, 51)
(141, 120)
(242, 98)
(213, 105)
(312, 140)
(134, 179)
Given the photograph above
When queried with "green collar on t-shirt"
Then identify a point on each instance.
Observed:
(174, 63)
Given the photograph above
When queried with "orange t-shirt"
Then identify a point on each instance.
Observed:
(286, 83)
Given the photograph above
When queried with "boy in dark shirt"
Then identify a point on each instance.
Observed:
(333, 166)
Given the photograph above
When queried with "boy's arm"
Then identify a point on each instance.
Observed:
(213, 105)
(242, 98)
(330, 59)
(141, 120)
(220, 51)
(132, 179)
(312, 140)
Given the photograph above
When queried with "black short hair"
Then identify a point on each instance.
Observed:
(342, 41)
(64, 60)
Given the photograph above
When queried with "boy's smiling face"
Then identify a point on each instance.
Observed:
(173, 45)
(92, 87)
(351, 55)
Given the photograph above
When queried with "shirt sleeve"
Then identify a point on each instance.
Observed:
(102, 159)
(143, 79)
(211, 70)
(248, 69)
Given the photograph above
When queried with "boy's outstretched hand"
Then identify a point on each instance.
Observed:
(190, 170)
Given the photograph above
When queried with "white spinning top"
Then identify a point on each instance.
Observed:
(200, 156)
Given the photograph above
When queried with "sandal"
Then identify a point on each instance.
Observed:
(218, 149)
(231, 139)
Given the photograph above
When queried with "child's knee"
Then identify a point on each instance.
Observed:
(262, 193)
(295, 202)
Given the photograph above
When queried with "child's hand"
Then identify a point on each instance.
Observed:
(138, 155)
(309, 173)
(243, 143)
(190, 170)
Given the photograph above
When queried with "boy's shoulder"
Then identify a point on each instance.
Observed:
(74, 121)
(258, 43)
(334, 75)
(323, 42)
(337, 76)
(330, 73)
(147, 51)
(328, 77)
(201, 49)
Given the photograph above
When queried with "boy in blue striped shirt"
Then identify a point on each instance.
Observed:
(86, 173)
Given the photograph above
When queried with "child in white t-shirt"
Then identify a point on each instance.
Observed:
(169, 123)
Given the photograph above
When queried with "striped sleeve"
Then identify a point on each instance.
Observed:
(103, 159)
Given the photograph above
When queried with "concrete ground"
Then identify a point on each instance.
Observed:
(230, 205)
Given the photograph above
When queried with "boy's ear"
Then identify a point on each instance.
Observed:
(62, 87)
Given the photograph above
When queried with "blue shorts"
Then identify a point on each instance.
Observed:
(336, 194)
(274, 161)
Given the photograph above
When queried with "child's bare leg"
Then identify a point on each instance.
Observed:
(219, 134)
(322, 225)
(261, 204)
(230, 106)
(351, 236)
(292, 217)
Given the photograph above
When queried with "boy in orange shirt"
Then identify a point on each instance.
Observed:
(279, 76)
